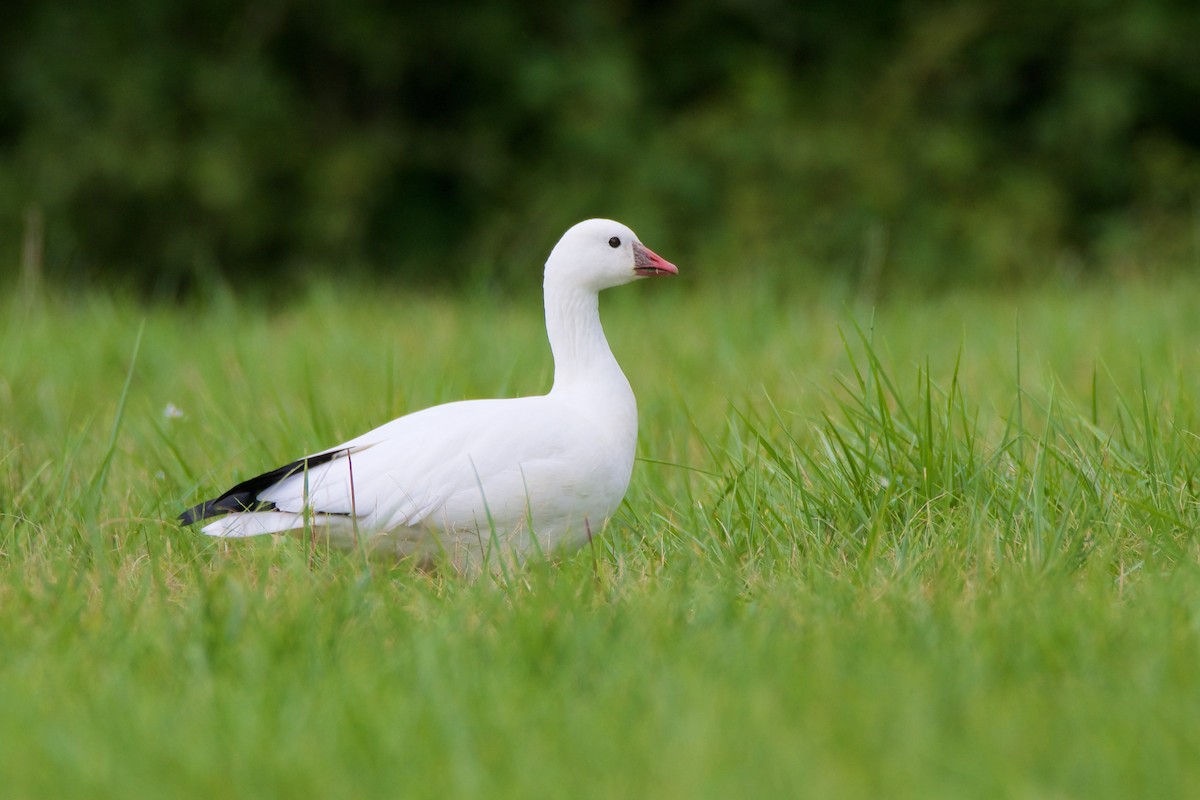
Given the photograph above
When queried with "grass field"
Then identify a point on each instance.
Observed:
(941, 548)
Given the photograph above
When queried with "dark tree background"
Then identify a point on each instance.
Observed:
(171, 143)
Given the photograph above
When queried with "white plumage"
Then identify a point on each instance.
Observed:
(479, 479)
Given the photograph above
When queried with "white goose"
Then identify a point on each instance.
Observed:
(476, 479)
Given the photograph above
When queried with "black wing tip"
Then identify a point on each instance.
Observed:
(244, 496)
(195, 513)
(226, 504)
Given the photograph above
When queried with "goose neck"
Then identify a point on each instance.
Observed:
(581, 351)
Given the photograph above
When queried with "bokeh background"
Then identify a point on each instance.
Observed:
(170, 145)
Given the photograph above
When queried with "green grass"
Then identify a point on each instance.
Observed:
(943, 548)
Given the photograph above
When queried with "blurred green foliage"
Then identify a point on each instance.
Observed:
(921, 143)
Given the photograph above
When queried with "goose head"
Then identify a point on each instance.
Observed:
(599, 253)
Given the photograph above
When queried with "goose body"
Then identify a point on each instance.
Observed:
(478, 479)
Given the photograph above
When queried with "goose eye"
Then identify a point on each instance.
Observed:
(614, 242)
